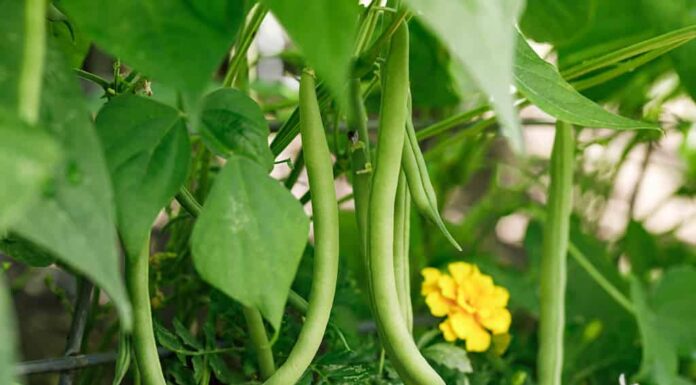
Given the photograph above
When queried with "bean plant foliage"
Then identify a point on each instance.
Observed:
(342, 220)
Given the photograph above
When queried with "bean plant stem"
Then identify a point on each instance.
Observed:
(259, 341)
(554, 254)
(78, 325)
(31, 73)
(144, 345)
(256, 16)
(321, 183)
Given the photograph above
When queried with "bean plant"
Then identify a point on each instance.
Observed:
(344, 225)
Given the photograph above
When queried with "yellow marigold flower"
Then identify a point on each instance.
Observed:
(474, 306)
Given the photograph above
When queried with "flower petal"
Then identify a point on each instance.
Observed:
(447, 332)
(447, 286)
(496, 320)
(439, 305)
(430, 278)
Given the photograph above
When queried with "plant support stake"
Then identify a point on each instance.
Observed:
(554, 254)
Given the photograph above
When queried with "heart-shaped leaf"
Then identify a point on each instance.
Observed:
(148, 152)
(249, 238)
(232, 123)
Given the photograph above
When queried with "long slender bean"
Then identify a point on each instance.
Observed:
(553, 258)
(144, 345)
(325, 213)
(419, 183)
(398, 342)
(402, 217)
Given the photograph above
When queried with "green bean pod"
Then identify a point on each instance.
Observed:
(553, 258)
(422, 191)
(144, 345)
(397, 340)
(402, 218)
(325, 213)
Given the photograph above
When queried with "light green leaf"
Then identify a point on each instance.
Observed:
(7, 335)
(556, 21)
(449, 356)
(74, 218)
(178, 42)
(541, 83)
(481, 35)
(325, 33)
(27, 159)
(249, 238)
(232, 123)
(147, 152)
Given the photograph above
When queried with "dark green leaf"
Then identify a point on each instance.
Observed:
(25, 251)
(166, 338)
(147, 151)
(249, 238)
(481, 35)
(232, 123)
(640, 247)
(556, 21)
(74, 218)
(186, 336)
(541, 83)
(668, 15)
(449, 356)
(178, 42)
(325, 33)
(220, 369)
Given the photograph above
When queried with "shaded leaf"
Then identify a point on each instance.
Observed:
(123, 360)
(249, 238)
(74, 218)
(640, 247)
(25, 251)
(7, 335)
(232, 123)
(178, 42)
(166, 338)
(556, 21)
(481, 35)
(674, 304)
(147, 151)
(541, 83)
(325, 33)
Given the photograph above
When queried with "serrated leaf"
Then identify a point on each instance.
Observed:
(449, 356)
(232, 123)
(148, 152)
(541, 83)
(327, 41)
(177, 42)
(166, 338)
(481, 35)
(186, 336)
(249, 238)
(556, 21)
(74, 218)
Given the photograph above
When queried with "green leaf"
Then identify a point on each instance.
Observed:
(148, 152)
(249, 238)
(667, 15)
(7, 335)
(178, 42)
(166, 338)
(27, 160)
(232, 123)
(481, 35)
(449, 356)
(674, 303)
(541, 83)
(25, 251)
(556, 21)
(74, 217)
(325, 33)
(641, 248)
(123, 360)
(186, 336)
